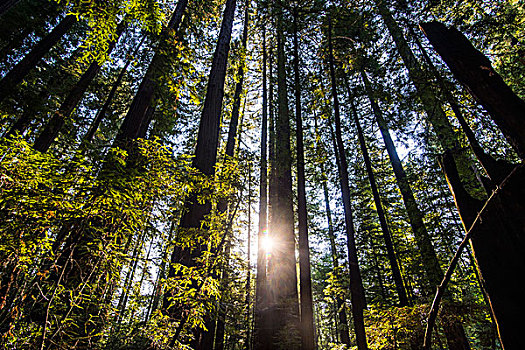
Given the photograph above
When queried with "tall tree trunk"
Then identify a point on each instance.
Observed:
(143, 98)
(249, 263)
(305, 279)
(497, 170)
(387, 237)
(234, 120)
(17, 74)
(454, 332)
(474, 70)
(341, 307)
(261, 293)
(499, 257)
(282, 275)
(357, 292)
(223, 204)
(442, 127)
(223, 304)
(208, 137)
(73, 98)
(430, 261)
(101, 114)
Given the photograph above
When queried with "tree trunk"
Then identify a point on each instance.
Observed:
(305, 279)
(234, 120)
(497, 170)
(223, 305)
(249, 263)
(474, 70)
(499, 257)
(341, 309)
(73, 98)
(356, 284)
(454, 332)
(17, 74)
(208, 136)
(101, 114)
(387, 237)
(282, 275)
(442, 127)
(261, 293)
(430, 261)
(143, 98)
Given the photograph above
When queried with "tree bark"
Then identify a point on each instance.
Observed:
(499, 257)
(305, 279)
(17, 74)
(474, 70)
(261, 293)
(356, 284)
(387, 237)
(497, 170)
(143, 98)
(208, 136)
(73, 98)
(442, 127)
(247, 341)
(223, 204)
(454, 332)
(342, 326)
(282, 275)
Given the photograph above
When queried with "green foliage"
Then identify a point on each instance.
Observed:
(42, 195)
(103, 17)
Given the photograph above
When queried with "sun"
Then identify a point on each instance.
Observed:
(267, 243)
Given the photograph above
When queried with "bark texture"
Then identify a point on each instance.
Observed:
(261, 292)
(144, 97)
(357, 293)
(474, 70)
(282, 275)
(305, 279)
(387, 237)
(500, 257)
(17, 74)
(73, 98)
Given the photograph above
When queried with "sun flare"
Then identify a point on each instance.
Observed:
(267, 243)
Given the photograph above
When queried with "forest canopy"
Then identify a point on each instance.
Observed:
(262, 174)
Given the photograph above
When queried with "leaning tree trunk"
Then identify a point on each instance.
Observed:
(447, 137)
(73, 98)
(497, 170)
(357, 292)
(305, 279)
(430, 261)
(17, 74)
(143, 98)
(499, 257)
(387, 237)
(454, 332)
(474, 70)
